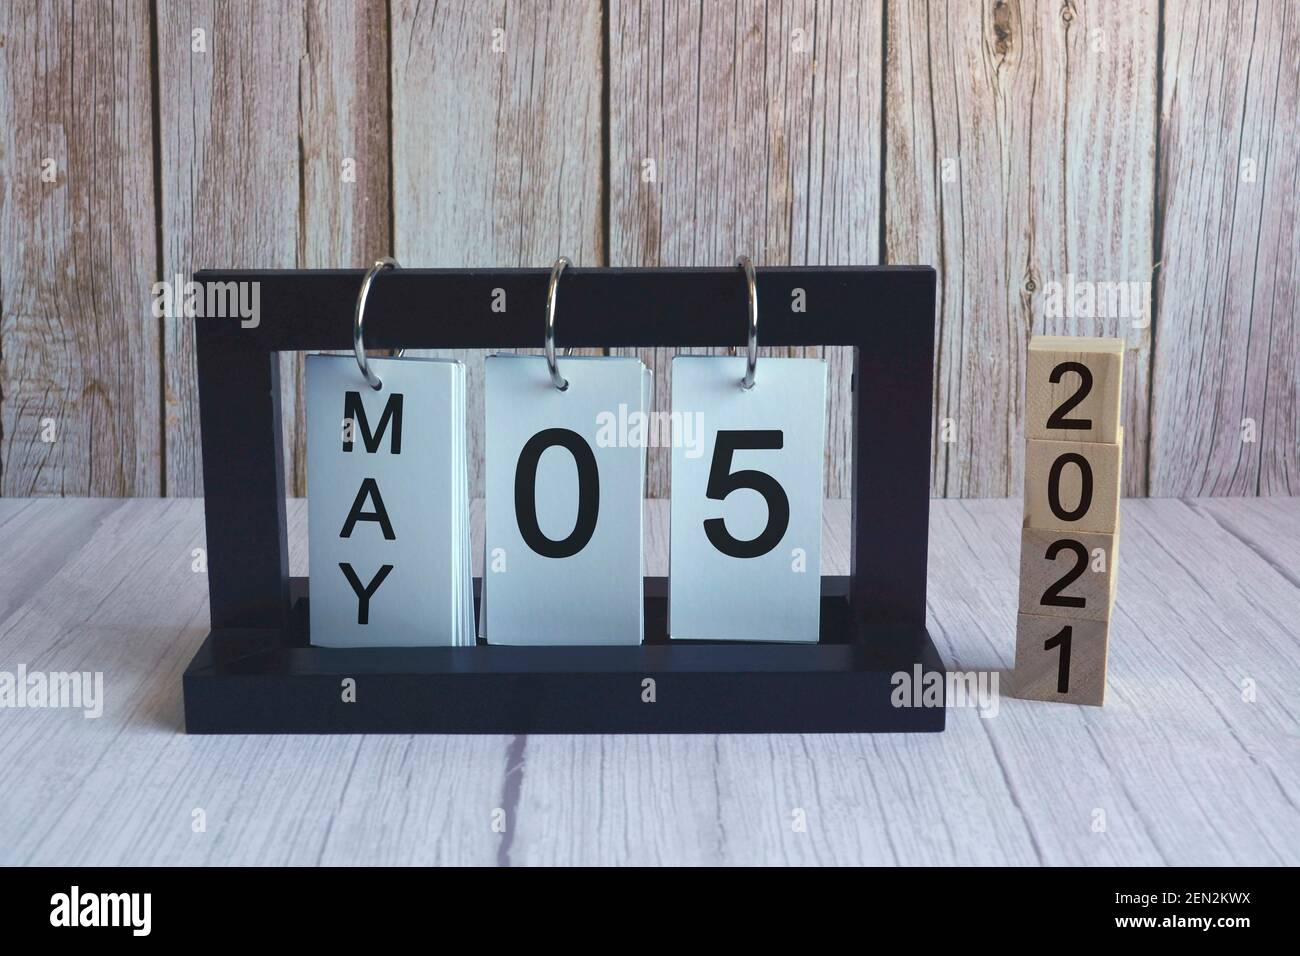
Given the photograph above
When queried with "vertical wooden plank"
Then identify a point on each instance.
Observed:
(258, 111)
(1019, 161)
(79, 412)
(1224, 420)
(227, 88)
(746, 129)
(496, 146)
(344, 160)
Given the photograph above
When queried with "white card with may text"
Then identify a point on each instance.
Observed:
(387, 504)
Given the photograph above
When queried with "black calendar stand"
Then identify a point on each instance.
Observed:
(256, 671)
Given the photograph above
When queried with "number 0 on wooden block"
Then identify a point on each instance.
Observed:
(745, 546)
(1071, 485)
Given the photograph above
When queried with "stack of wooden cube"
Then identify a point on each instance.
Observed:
(1069, 544)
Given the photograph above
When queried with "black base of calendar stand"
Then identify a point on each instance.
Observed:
(273, 682)
(258, 673)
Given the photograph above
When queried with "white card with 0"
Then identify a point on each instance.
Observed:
(562, 561)
(745, 550)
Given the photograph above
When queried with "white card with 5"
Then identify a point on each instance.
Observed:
(745, 547)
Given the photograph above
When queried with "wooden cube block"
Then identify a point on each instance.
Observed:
(1072, 485)
(1068, 574)
(1072, 388)
(1060, 660)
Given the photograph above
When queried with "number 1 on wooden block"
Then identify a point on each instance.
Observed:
(1060, 660)
(1061, 640)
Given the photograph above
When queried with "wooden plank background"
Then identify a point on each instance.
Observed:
(1228, 357)
(80, 370)
(1019, 151)
(1027, 150)
(751, 129)
(496, 146)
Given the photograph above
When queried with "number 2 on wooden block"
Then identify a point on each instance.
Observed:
(1057, 419)
(1054, 596)
(1072, 388)
(1067, 575)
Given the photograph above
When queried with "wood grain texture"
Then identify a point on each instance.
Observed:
(47, 540)
(1175, 670)
(344, 164)
(1182, 767)
(496, 147)
(1019, 153)
(254, 131)
(142, 645)
(1228, 335)
(1261, 527)
(79, 354)
(1028, 151)
(762, 122)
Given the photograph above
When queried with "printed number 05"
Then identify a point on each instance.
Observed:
(723, 481)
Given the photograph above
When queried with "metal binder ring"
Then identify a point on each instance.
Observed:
(751, 353)
(558, 380)
(359, 318)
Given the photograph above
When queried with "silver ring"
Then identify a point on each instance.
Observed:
(359, 318)
(751, 354)
(558, 380)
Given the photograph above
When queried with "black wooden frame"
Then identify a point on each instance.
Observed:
(256, 671)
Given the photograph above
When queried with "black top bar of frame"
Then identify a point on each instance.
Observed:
(454, 308)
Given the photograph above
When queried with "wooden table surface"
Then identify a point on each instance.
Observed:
(1182, 766)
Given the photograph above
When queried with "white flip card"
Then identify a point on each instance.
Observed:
(745, 550)
(388, 504)
(565, 472)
